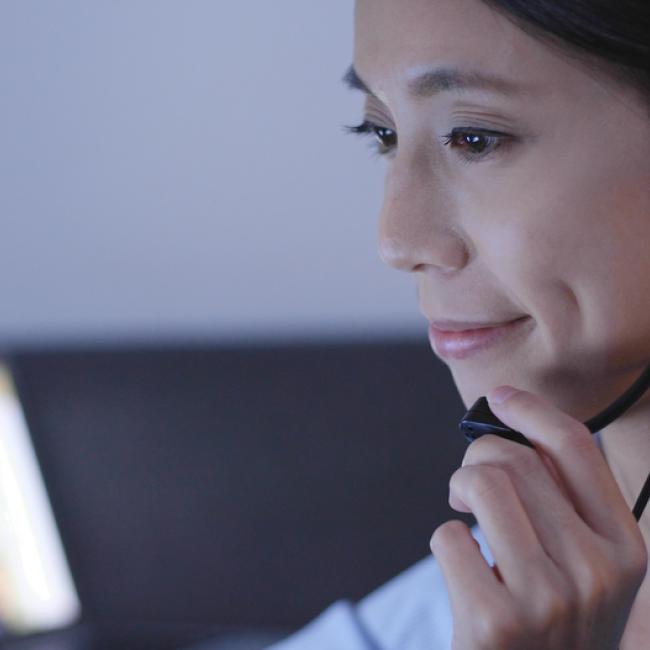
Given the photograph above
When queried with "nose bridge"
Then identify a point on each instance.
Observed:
(416, 225)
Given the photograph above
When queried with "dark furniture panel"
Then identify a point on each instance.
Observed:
(242, 485)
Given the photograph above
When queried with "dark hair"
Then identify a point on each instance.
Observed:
(615, 33)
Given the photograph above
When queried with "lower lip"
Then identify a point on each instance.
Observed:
(461, 345)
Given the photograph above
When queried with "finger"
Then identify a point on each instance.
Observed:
(560, 530)
(573, 451)
(542, 455)
(469, 578)
(490, 495)
(553, 471)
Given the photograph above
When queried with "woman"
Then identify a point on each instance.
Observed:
(519, 192)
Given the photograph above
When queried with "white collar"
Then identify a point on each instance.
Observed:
(599, 442)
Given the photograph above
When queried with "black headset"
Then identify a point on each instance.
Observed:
(480, 420)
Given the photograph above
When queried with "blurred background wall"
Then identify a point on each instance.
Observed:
(177, 168)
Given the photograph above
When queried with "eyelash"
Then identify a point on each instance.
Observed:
(499, 140)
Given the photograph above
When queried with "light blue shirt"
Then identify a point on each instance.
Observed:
(409, 612)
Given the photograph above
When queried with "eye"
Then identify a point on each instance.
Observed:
(476, 144)
(472, 144)
(385, 138)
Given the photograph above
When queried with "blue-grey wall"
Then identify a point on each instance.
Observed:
(177, 168)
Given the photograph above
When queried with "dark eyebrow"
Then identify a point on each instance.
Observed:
(353, 81)
(438, 80)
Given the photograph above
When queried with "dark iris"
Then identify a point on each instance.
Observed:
(473, 140)
(387, 137)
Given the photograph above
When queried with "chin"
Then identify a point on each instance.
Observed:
(471, 389)
(470, 386)
(470, 395)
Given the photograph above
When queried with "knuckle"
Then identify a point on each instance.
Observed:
(577, 437)
(595, 580)
(638, 562)
(482, 480)
(527, 403)
(632, 562)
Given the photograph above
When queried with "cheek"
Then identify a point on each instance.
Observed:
(605, 261)
(617, 289)
(572, 248)
(535, 241)
(535, 252)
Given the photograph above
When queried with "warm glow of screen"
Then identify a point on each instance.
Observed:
(36, 588)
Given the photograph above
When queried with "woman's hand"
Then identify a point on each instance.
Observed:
(569, 555)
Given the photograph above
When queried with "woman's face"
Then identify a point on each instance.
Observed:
(553, 222)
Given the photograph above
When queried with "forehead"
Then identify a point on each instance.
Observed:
(396, 39)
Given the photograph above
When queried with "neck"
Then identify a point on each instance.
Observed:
(626, 446)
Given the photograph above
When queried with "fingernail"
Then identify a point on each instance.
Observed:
(500, 394)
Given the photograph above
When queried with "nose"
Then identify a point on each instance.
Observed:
(416, 224)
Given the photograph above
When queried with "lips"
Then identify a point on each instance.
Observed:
(463, 326)
(462, 343)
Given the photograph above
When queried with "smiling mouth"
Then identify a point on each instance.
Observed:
(463, 343)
